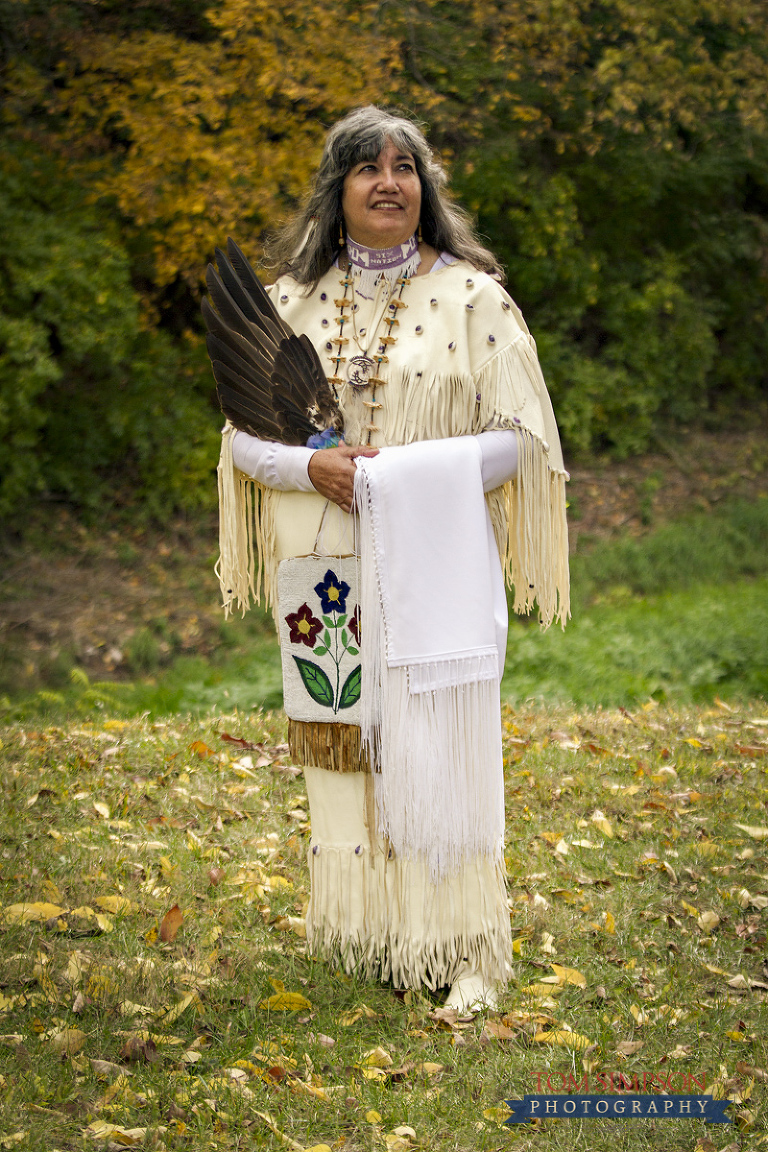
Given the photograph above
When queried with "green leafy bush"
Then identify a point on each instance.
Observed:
(92, 398)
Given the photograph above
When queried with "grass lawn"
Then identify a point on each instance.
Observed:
(156, 990)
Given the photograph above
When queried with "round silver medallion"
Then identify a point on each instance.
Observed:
(359, 371)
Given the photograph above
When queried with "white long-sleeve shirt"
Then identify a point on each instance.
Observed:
(285, 467)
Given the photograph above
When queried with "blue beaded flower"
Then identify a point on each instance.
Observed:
(333, 593)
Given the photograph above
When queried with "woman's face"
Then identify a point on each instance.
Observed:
(381, 200)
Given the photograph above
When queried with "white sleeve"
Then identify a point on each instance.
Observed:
(281, 466)
(499, 457)
(284, 467)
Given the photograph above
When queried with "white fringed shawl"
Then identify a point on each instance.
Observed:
(430, 690)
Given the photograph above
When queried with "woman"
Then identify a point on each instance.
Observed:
(385, 276)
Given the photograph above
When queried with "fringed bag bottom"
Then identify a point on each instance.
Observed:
(335, 747)
(383, 918)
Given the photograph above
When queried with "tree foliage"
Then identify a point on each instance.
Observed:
(614, 152)
(86, 387)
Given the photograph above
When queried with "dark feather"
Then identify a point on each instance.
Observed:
(270, 382)
(241, 356)
(253, 287)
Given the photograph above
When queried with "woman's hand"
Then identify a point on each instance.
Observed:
(332, 472)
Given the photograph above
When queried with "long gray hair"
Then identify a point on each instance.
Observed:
(307, 246)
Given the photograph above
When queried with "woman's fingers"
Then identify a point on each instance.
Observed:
(332, 472)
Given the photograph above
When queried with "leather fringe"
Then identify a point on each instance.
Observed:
(335, 747)
(384, 919)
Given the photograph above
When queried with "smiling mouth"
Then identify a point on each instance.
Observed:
(388, 205)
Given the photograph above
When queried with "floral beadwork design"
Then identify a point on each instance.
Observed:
(354, 624)
(304, 626)
(333, 593)
(340, 639)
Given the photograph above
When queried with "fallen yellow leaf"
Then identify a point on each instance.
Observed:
(563, 1039)
(602, 822)
(716, 971)
(755, 831)
(347, 1019)
(29, 913)
(535, 991)
(569, 976)
(373, 1117)
(101, 984)
(286, 1002)
(108, 1069)
(431, 1069)
(500, 1113)
(377, 1058)
(190, 1000)
(128, 1137)
(202, 750)
(397, 1143)
(708, 921)
(303, 1088)
(68, 1041)
(115, 904)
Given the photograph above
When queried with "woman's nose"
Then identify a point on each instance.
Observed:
(387, 179)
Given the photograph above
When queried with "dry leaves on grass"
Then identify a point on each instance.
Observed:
(658, 840)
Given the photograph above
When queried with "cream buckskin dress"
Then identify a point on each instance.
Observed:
(464, 362)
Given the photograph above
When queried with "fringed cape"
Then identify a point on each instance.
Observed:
(464, 362)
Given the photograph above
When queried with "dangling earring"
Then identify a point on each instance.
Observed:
(418, 233)
(342, 240)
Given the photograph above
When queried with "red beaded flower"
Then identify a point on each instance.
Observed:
(354, 624)
(304, 626)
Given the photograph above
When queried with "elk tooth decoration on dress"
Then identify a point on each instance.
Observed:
(269, 381)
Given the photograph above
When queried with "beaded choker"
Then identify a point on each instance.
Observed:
(379, 258)
(371, 265)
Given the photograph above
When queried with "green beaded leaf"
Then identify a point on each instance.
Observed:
(317, 683)
(350, 693)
